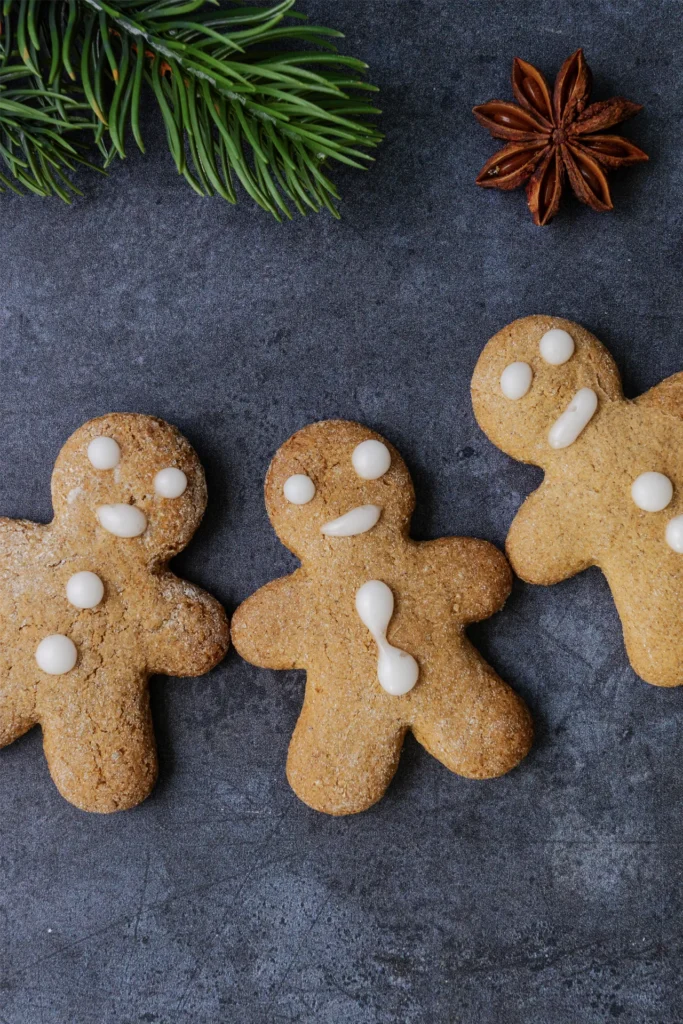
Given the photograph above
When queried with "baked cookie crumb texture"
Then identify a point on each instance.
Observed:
(377, 621)
(89, 610)
(547, 392)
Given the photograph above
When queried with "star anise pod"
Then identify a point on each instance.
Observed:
(548, 136)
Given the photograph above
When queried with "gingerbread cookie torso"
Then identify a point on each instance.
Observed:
(547, 392)
(377, 621)
(88, 609)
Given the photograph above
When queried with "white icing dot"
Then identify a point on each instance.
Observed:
(84, 590)
(122, 520)
(299, 489)
(371, 459)
(56, 654)
(170, 482)
(652, 491)
(515, 380)
(556, 346)
(674, 534)
(104, 453)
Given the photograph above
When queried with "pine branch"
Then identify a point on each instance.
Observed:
(39, 126)
(237, 103)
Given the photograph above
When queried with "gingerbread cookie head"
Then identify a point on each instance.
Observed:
(539, 383)
(337, 480)
(131, 482)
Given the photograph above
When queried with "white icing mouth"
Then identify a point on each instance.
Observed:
(122, 520)
(356, 520)
(574, 419)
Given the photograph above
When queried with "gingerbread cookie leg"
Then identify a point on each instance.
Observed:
(474, 723)
(99, 760)
(342, 767)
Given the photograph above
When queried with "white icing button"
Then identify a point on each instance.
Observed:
(122, 520)
(170, 483)
(515, 380)
(652, 492)
(357, 520)
(397, 671)
(557, 347)
(371, 459)
(674, 534)
(56, 654)
(84, 590)
(299, 489)
(104, 453)
(575, 417)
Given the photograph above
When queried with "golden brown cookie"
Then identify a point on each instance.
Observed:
(546, 391)
(378, 623)
(88, 609)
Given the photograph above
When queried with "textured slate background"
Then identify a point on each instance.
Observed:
(552, 895)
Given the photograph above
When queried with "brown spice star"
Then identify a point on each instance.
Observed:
(550, 135)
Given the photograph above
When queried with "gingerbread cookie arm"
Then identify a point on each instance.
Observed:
(19, 539)
(17, 712)
(266, 628)
(99, 741)
(478, 575)
(187, 631)
(341, 766)
(472, 721)
(666, 396)
(548, 540)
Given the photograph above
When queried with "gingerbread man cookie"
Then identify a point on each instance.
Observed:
(88, 609)
(378, 623)
(546, 391)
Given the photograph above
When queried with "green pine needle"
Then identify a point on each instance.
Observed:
(236, 102)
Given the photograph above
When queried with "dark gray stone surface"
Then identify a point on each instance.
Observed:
(552, 895)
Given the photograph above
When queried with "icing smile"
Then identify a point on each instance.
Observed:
(356, 520)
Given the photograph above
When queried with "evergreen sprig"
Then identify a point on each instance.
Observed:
(236, 101)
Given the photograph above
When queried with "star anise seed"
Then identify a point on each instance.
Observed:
(549, 136)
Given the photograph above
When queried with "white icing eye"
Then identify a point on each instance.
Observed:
(674, 534)
(652, 492)
(84, 590)
(122, 520)
(56, 654)
(104, 453)
(515, 380)
(557, 347)
(170, 483)
(299, 489)
(371, 459)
